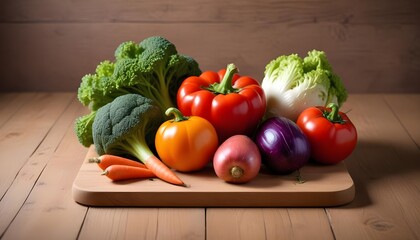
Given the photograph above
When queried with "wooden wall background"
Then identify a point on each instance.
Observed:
(48, 45)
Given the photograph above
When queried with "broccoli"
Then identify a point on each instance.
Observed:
(127, 126)
(83, 128)
(153, 68)
(90, 92)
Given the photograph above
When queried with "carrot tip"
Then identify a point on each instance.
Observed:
(104, 173)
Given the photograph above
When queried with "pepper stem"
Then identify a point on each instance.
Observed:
(236, 172)
(178, 117)
(225, 86)
(333, 115)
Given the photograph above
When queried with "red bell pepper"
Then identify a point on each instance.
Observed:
(233, 104)
(331, 134)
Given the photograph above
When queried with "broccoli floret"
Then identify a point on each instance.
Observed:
(128, 49)
(83, 128)
(153, 68)
(127, 125)
(90, 92)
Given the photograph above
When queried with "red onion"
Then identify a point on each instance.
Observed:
(283, 146)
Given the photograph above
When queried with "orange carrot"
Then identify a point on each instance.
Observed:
(162, 171)
(107, 160)
(124, 172)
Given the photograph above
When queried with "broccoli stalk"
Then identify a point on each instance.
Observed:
(153, 68)
(127, 125)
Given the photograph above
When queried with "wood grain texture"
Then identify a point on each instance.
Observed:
(41, 113)
(26, 178)
(10, 103)
(373, 45)
(407, 112)
(267, 223)
(144, 223)
(49, 212)
(295, 12)
(384, 166)
(386, 170)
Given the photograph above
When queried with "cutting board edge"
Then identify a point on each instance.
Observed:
(200, 199)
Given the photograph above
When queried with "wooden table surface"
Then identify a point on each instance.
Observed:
(40, 158)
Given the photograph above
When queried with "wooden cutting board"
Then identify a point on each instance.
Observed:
(323, 186)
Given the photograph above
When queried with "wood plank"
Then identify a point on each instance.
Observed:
(144, 223)
(21, 135)
(267, 223)
(27, 176)
(386, 171)
(407, 109)
(10, 103)
(49, 211)
(286, 12)
(353, 51)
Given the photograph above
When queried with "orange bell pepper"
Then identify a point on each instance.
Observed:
(184, 143)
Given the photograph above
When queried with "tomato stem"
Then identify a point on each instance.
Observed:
(225, 86)
(236, 172)
(178, 117)
(333, 115)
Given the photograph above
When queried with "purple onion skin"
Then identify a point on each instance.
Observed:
(283, 146)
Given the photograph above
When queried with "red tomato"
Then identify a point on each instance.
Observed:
(233, 104)
(331, 134)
